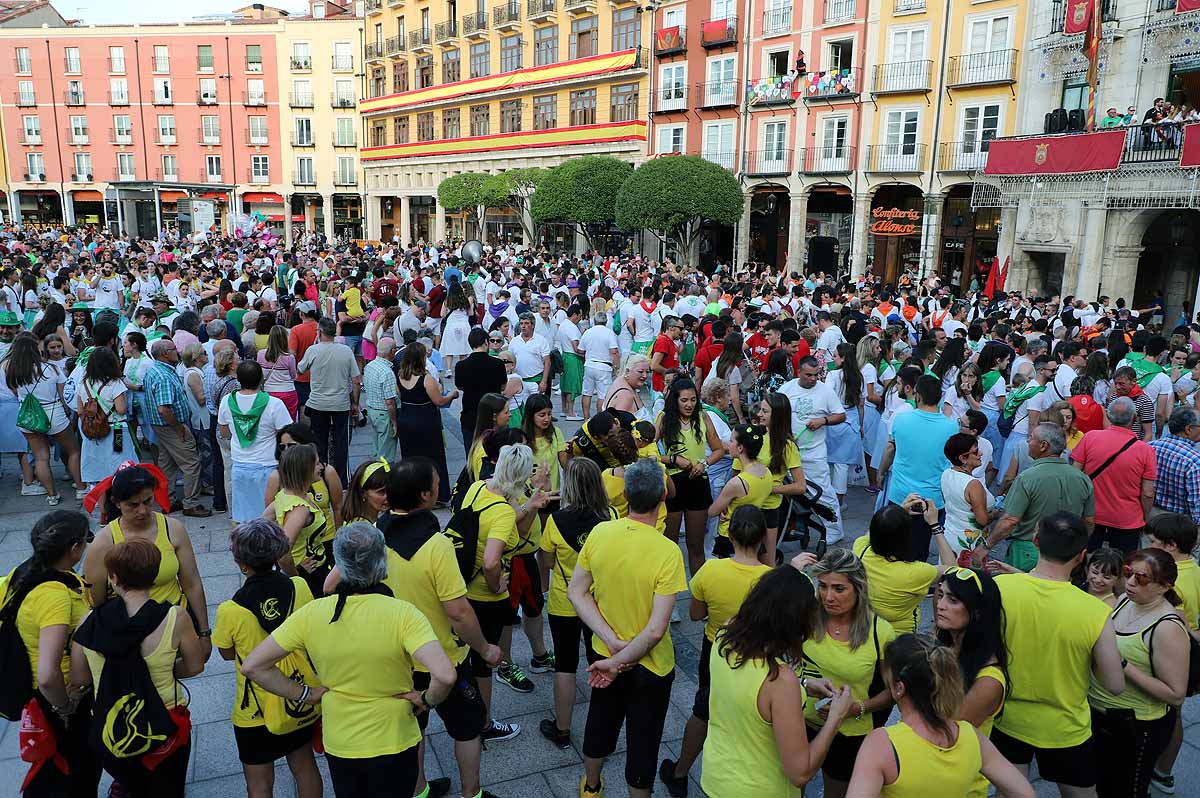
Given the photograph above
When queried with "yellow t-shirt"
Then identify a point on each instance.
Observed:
(723, 585)
(565, 558)
(895, 589)
(321, 496)
(237, 628)
(1050, 629)
(362, 718)
(425, 581)
(497, 522)
(980, 788)
(854, 668)
(614, 486)
(309, 543)
(48, 604)
(927, 769)
(545, 456)
(791, 459)
(631, 563)
(1187, 585)
(166, 583)
(353, 299)
(757, 491)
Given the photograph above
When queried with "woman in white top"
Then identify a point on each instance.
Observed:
(102, 381)
(965, 394)
(456, 326)
(24, 374)
(993, 365)
(969, 505)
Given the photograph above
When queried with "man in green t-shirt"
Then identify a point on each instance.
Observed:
(1048, 486)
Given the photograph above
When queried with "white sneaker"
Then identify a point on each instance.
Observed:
(32, 489)
(81, 492)
(53, 500)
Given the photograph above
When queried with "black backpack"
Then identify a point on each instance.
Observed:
(463, 531)
(1193, 681)
(16, 674)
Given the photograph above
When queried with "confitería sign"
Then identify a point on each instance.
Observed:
(895, 222)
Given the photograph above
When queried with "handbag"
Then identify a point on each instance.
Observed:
(31, 416)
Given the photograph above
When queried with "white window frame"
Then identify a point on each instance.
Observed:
(971, 153)
(894, 157)
(672, 87)
(723, 9)
(123, 128)
(27, 92)
(163, 90)
(302, 129)
(161, 59)
(259, 137)
(723, 90)
(73, 61)
(260, 169)
(32, 133)
(257, 94)
(827, 51)
(167, 134)
(343, 89)
(24, 61)
(35, 165)
(305, 168)
(126, 166)
(170, 174)
(719, 155)
(773, 157)
(670, 132)
(676, 15)
(116, 60)
(346, 176)
(208, 90)
(343, 61)
(766, 60)
(209, 162)
(83, 167)
(973, 67)
(79, 128)
(118, 89)
(344, 124)
(210, 129)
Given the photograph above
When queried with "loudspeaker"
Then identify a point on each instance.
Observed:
(1076, 120)
(1058, 121)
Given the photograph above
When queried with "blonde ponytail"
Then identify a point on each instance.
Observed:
(947, 680)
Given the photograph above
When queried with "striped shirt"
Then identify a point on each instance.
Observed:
(379, 384)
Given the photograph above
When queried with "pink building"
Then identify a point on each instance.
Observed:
(140, 117)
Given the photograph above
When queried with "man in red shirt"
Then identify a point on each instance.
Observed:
(664, 354)
(303, 336)
(384, 286)
(762, 342)
(709, 351)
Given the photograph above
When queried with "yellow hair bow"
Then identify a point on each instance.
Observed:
(373, 467)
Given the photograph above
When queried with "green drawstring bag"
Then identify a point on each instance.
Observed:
(32, 417)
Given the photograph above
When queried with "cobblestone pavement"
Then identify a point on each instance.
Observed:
(525, 766)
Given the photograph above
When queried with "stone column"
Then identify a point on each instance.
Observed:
(68, 208)
(741, 252)
(327, 208)
(405, 220)
(287, 219)
(439, 221)
(1091, 254)
(858, 239)
(797, 223)
(527, 221)
(931, 233)
(372, 213)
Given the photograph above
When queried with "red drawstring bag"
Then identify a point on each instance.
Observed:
(38, 743)
(183, 732)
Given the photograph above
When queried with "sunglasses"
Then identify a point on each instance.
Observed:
(964, 575)
(495, 340)
(1137, 577)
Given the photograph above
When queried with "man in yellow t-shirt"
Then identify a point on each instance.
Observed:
(367, 697)
(624, 589)
(1057, 635)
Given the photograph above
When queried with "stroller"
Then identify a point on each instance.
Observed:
(804, 518)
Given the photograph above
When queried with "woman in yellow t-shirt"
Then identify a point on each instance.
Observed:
(52, 603)
(546, 440)
(584, 504)
(781, 456)
(625, 449)
(751, 486)
(302, 520)
(491, 414)
(896, 583)
(265, 600)
(968, 617)
(928, 753)
(366, 498)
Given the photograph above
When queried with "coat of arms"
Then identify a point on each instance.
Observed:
(1039, 155)
(1079, 12)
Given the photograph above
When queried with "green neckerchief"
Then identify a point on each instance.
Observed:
(245, 423)
(81, 360)
(1015, 399)
(1146, 370)
(720, 414)
(896, 365)
(911, 403)
(989, 379)
(930, 372)
(831, 366)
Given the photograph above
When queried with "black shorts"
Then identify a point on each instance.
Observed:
(566, 631)
(391, 774)
(839, 762)
(1074, 766)
(638, 700)
(704, 672)
(463, 711)
(722, 548)
(493, 617)
(774, 516)
(258, 746)
(692, 494)
(525, 586)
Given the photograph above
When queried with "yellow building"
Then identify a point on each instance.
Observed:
(944, 84)
(454, 88)
(319, 66)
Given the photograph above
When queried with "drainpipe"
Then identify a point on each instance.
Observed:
(932, 232)
(744, 107)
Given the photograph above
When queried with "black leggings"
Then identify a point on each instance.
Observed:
(1126, 750)
(393, 774)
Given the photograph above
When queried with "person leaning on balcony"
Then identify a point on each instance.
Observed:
(1112, 119)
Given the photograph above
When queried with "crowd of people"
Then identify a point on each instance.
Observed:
(1032, 462)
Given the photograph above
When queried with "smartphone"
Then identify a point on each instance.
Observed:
(917, 507)
(118, 439)
(824, 702)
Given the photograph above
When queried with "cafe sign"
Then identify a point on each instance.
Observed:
(895, 222)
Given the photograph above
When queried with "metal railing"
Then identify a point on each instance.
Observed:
(772, 90)
(342, 63)
(902, 76)
(73, 98)
(116, 65)
(254, 100)
(670, 40)
(901, 6)
(475, 24)
(718, 93)
(374, 6)
(1165, 5)
(393, 45)
(300, 179)
(118, 98)
(81, 177)
(671, 98)
(205, 99)
(373, 50)
(166, 177)
(717, 32)
(1150, 144)
(777, 20)
(35, 177)
(163, 99)
(767, 162)
(211, 139)
(31, 138)
(257, 180)
(257, 141)
(1108, 13)
(300, 99)
(895, 158)
(962, 156)
(166, 139)
(840, 10)
(78, 138)
(300, 63)
(24, 100)
(973, 69)
(345, 141)
(340, 179)
(340, 100)
(123, 177)
(831, 159)
(115, 137)
(724, 159)
(540, 9)
(578, 5)
(303, 141)
(832, 85)
(445, 32)
(507, 15)
(418, 39)
(71, 66)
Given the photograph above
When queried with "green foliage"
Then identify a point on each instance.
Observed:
(518, 184)
(581, 191)
(672, 196)
(470, 191)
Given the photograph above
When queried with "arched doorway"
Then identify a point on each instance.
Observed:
(968, 239)
(1170, 262)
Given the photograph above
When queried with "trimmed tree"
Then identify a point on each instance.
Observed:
(473, 192)
(672, 197)
(518, 186)
(581, 192)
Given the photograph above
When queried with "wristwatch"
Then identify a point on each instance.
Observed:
(204, 633)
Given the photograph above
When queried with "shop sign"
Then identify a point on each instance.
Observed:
(895, 222)
(955, 244)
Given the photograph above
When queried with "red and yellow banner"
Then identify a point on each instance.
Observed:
(531, 76)
(1079, 14)
(1056, 155)
(559, 137)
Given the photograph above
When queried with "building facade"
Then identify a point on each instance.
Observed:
(455, 88)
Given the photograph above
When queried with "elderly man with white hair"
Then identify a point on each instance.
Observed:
(379, 396)
(168, 413)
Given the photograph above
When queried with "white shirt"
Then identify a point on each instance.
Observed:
(274, 418)
(831, 339)
(1063, 379)
(809, 403)
(108, 292)
(597, 343)
(646, 324)
(529, 354)
(991, 397)
(691, 306)
(568, 334)
(952, 326)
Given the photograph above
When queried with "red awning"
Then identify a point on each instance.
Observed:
(278, 217)
(214, 195)
(1056, 155)
(88, 195)
(263, 197)
(171, 196)
(1186, 6)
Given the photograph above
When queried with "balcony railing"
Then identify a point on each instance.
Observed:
(340, 100)
(962, 156)
(118, 97)
(540, 10)
(205, 99)
(254, 100)
(78, 138)
(340, 179)
(374, 6)
(71, 66)
(1108, 13)
(300, 99)
(210, 177)
(31, 138)
(475, 25)
(24, 100)
(761, 163)
(116, 65)
(445, 32)
(839, 10)
(670, 40)
(303, 141)
(393, 45)
(896, 158)
(718, 93)
(166, 139)
(81, 177)
(976, 69)
(718, 32)
(123, 177)
(257, 139)
(418, 39)
(120, 136)
(904, 6)
(506, 16)
(35, 177)
(373, 50)
(1148, 144)
(303, 179)
(211, 138)
(902, 76)
(832, 85)
(724, 159)
(671, 98)
(163, 99)
(773, 90)
(832, 159)
(1165, 5)
(579, 6)
(73, 98)
(342, 63)
(777, 20)
(345, 141)
(300, 63)
(166, 177)
(256, 179)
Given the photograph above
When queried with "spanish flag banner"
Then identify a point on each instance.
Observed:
(530, 76)
(634, 130)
